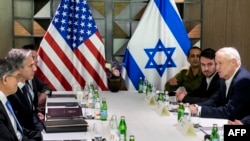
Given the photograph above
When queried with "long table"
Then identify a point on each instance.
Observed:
(142, 120)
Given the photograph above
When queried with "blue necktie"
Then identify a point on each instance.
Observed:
(19, 127)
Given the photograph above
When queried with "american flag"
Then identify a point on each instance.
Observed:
(72, 50)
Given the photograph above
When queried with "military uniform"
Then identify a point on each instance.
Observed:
(185, 78)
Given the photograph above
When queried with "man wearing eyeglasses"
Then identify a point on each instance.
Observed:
(11, 129)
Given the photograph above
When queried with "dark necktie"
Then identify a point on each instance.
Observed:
(19, 127)
(27, 94)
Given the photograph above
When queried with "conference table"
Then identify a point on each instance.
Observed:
(141, 118)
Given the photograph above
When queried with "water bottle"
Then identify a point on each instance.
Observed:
(187, 112)
(131, 138)
(97, 110)
(153, 89)
(167, 99)
(95, 96)
(90, 100)
(104, 109)
(140, 85)
(145, 83)
(160, 97)
(214, 136)
(148, 89)
(114, 133)
(122, 127)
(180, 111)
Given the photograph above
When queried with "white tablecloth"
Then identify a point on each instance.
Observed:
(142, 121)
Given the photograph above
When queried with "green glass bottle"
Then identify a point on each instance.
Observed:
(140, 85)
(148, 89)
(131, 138)
(160, 97)
(123, 127)
(91, 87)
(104, 109)
(95, 96)
(214, 136)
(181, 110)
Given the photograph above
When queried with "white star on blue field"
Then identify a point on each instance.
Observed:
(168, 51)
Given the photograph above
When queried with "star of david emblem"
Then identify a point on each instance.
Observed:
(163, 63)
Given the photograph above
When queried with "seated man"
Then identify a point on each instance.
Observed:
(24, 101)
(210, 82)
(232, 100)
(37, 85)
(10, 127)
(189, 78)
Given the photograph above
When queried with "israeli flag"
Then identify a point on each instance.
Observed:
(158, 48)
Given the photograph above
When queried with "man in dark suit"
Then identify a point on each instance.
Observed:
(37, 85)
(233, 99)
(210, 83)
(24, 101)
(10, 128)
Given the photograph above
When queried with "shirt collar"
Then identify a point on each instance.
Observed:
(228, 81)
(20, 85)
(3, 97)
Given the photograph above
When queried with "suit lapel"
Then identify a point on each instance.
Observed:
(23, 99)
(8, 123)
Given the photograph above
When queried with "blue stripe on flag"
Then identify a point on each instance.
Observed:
(174, 23)
(133, 70)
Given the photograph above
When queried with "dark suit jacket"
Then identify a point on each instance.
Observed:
(246, 120)
(22, 109)
(202, 93)
(39, 86)
(6, 128)
(8, 133)
(237, 102)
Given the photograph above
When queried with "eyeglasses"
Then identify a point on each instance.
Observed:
(15, 76)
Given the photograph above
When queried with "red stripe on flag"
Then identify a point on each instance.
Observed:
(98, 34)
(91, 70)
(65, 60)
(41, 75)
(95, 52)
(51, 65)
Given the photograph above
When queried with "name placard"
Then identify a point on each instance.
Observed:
(162, 109)
(236, 132)
(150, 99)
(185, 127)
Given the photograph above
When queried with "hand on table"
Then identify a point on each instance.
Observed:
(193, 109)
(41, 102)
(180, 95)
(41, 116)
(235, 122)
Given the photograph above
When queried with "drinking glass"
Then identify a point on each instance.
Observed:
(98, 131)
(89, 113)
(173, 104)
(195, 119)
(79, 97)
(76, 88)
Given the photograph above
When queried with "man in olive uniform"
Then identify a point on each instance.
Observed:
(191, 77)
